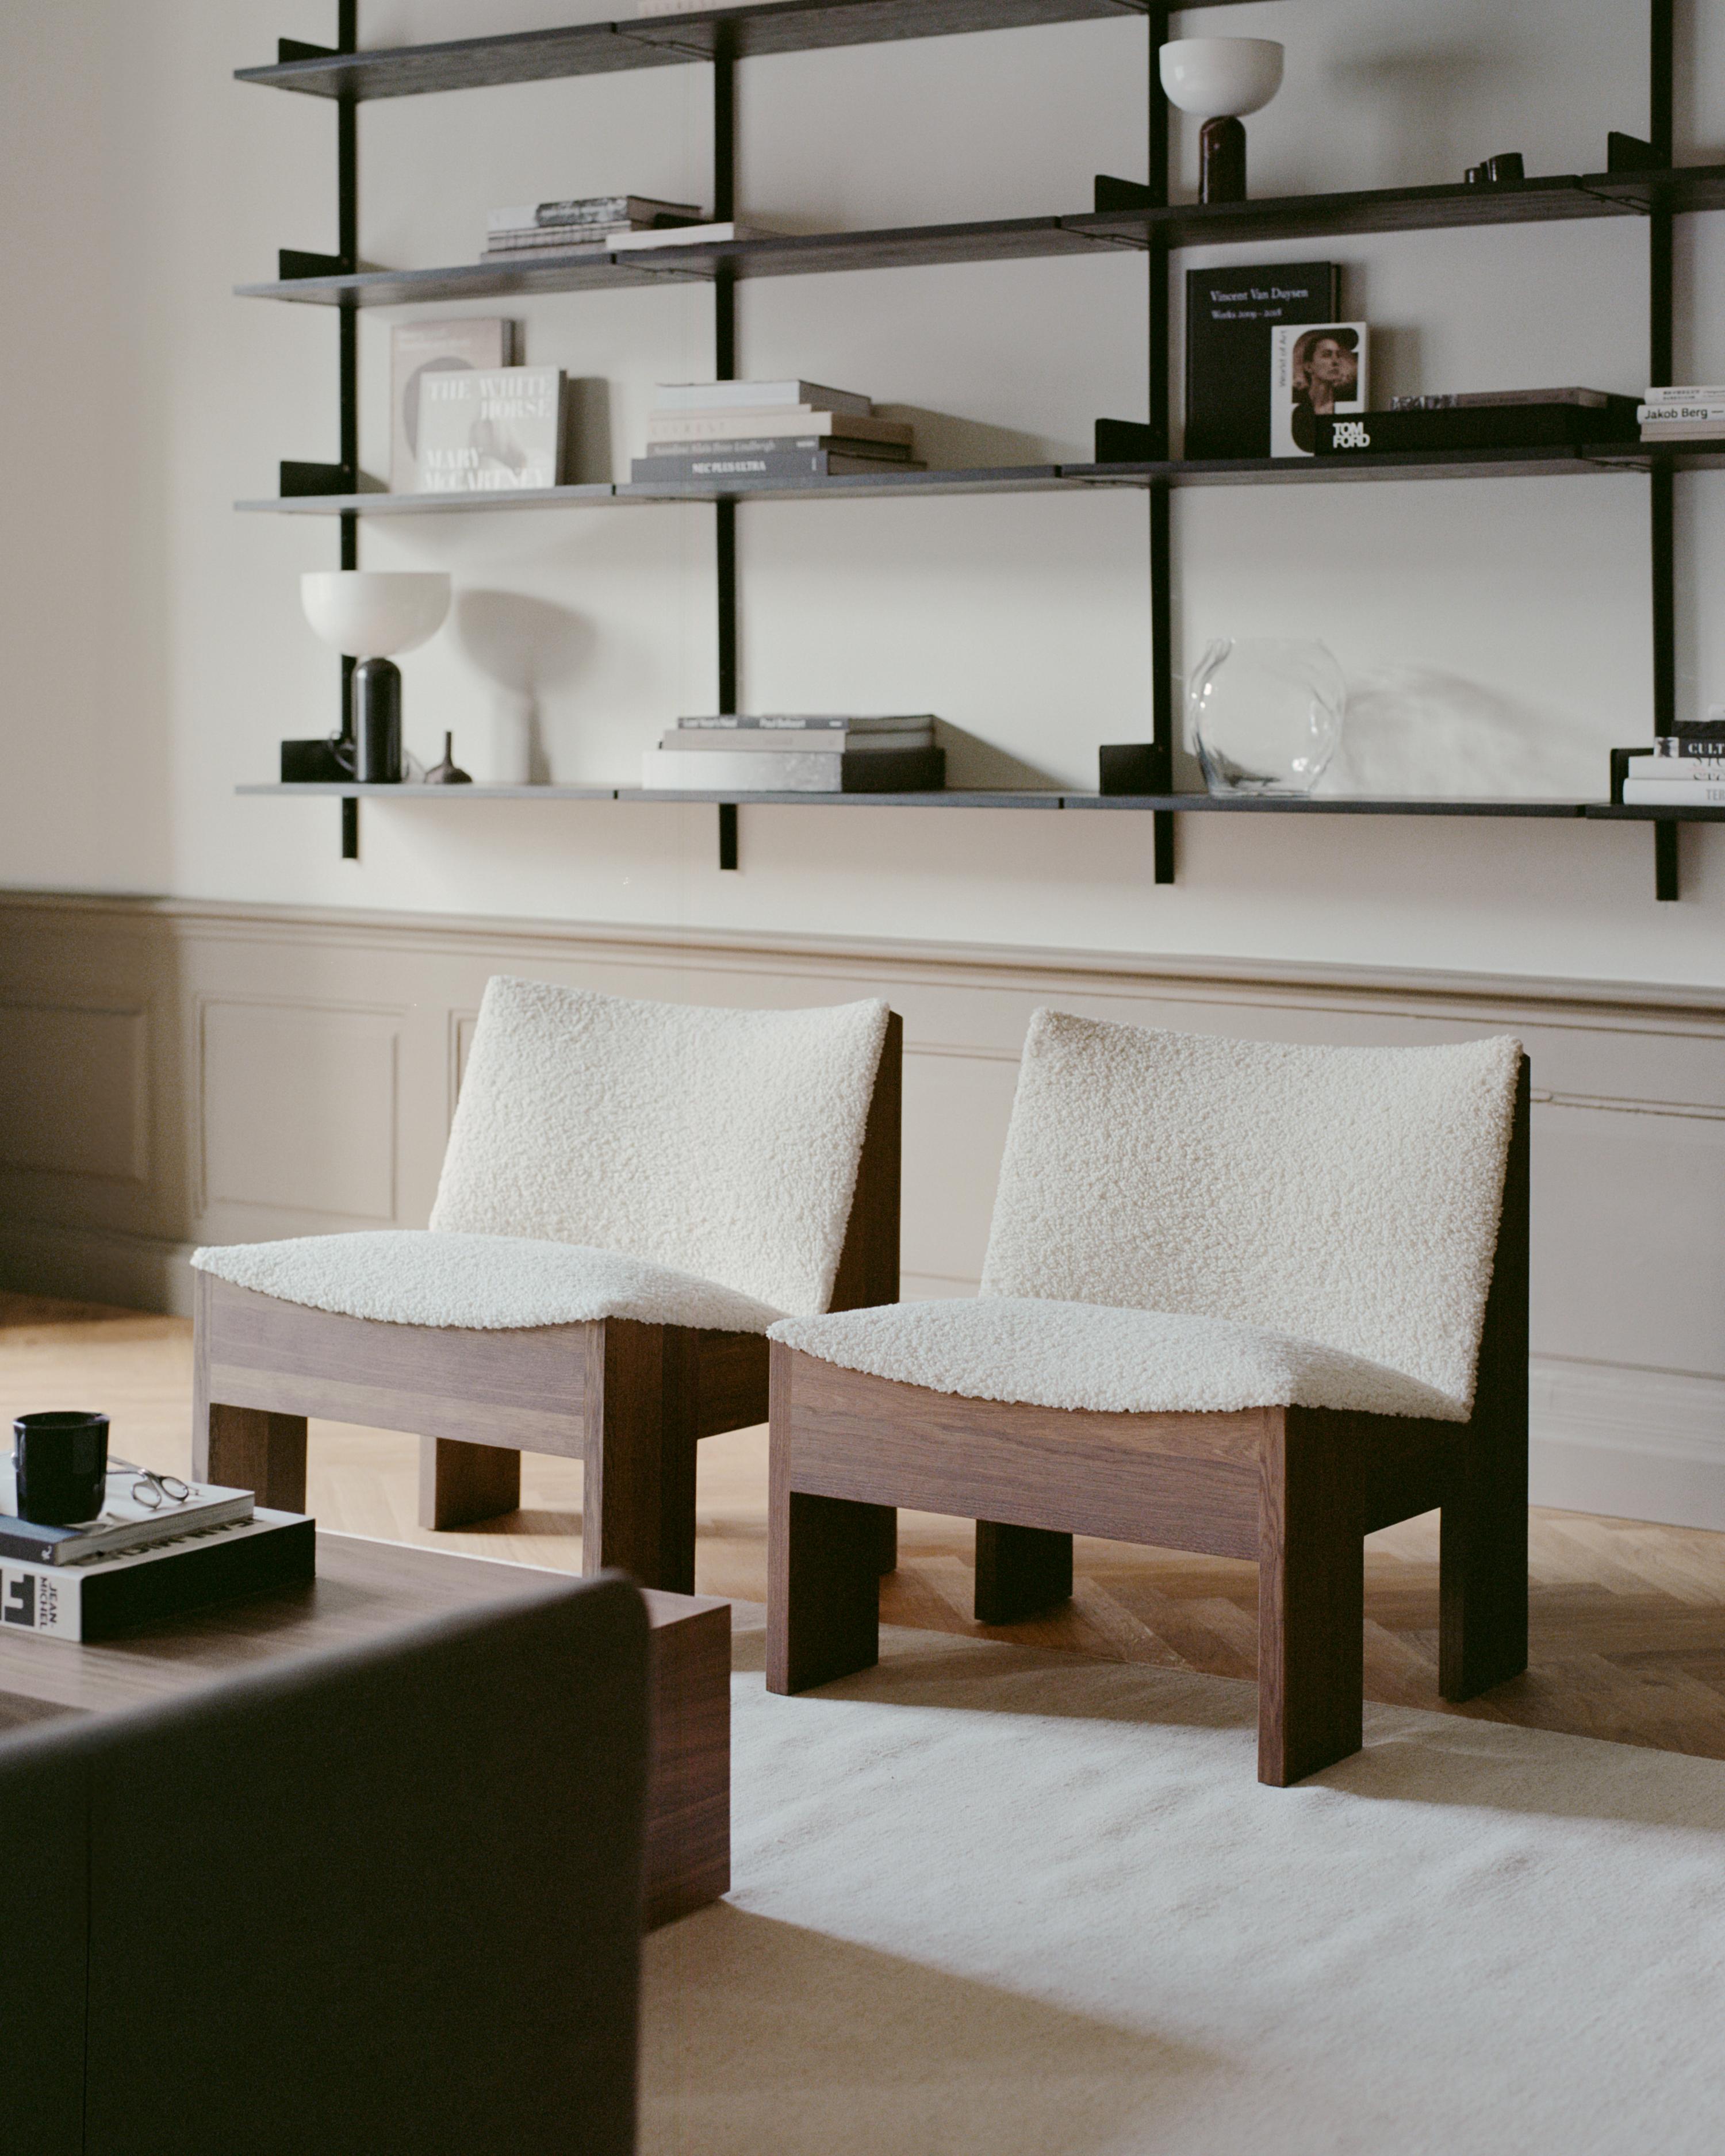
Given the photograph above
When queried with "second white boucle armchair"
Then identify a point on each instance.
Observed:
(1242, 1298)
(631, 1194)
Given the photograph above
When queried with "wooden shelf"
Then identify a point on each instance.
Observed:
(1294, 217)
(743, 32)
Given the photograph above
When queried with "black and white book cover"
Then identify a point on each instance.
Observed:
(418, 349)
(1314, 374)
(494, 431)
(1231, 310)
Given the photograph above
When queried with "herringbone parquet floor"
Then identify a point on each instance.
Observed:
(1628, 1620)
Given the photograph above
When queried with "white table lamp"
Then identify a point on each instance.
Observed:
(367, 614)
(1219, 80)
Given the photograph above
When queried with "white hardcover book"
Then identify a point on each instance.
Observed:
(794, 723)
(692, 235)
(124, 1522)
(727, 770)
(1688, 394)
(1677, 770)
(770, 422)
(780, 395)
(681, 740)
(417, 350)
(494, 432)
(1674, 794)
(1315, 371)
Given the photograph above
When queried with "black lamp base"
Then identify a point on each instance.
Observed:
(377, 721)
(1221, 162)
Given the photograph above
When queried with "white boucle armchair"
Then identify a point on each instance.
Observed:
(632, 1194)
(1241, 1298)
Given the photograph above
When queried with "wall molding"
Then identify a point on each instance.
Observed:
(1627, 1393)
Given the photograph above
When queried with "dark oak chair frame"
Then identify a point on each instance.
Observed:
(631, 1401)
(1297, 1488)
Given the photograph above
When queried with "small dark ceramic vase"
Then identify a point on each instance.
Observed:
(446, 774)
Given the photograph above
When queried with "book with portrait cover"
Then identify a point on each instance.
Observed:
(1231, 310)
(419, 348)
(1317, 373)
(494, 430)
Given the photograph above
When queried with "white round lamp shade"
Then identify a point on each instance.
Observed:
(372, 613)
(1221, 78)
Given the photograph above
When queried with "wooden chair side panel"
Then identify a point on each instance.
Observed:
(1177, 1481)
(868, 1264)
(523, 1388)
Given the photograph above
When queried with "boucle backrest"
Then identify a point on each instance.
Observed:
(1348, 1196)
(720, 1143)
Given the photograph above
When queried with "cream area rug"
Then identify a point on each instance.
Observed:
(1005, 1901)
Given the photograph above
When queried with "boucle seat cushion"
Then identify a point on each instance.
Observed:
(1118, 1361)
(489, 1283)
(1347, 1197)
(723, 1144)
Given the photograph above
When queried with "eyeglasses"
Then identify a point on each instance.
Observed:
(150, 1489)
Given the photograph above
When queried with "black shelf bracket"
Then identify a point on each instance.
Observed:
(1661, 504)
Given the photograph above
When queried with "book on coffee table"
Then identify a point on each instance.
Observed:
(122, 1524)
(105, 1595)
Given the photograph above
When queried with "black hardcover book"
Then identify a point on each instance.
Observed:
(1480, 427)
(1230, 312)
(98, 1600)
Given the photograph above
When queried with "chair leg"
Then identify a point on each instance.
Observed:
(251, 1449)
(638, 1490)
(1310, 1595)
(1019, 1572)
(823, 1588)
(460, 1485)
(1482, 1562)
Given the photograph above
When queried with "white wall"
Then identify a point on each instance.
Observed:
(1496, 634)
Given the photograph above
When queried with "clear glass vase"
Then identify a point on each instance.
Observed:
(1266, 713)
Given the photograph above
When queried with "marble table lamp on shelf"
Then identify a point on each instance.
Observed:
(1219, 80)
(369, 614)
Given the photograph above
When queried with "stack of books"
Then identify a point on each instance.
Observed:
(1683, 415)
(1684, 770)
(765, 431)
(795, 753)
(135, 1563)
(596, 221)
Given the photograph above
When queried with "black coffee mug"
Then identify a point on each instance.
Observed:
(60, 1461)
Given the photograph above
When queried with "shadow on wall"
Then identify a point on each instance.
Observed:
(1420, 731)
(523, 647)
(946, 443)
(1423, 101)
(974, 765)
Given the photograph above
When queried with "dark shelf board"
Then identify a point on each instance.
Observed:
(1539, 201)
(1006, 479)
(1538, 463)
(1272, 805)
(1015, 798)
(743, 32)
(1619, 812)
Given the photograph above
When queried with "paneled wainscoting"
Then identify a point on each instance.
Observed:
(174, 1072)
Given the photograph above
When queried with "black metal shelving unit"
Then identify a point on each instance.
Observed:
(1126, 218)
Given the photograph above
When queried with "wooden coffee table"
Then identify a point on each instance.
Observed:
(363, 1588)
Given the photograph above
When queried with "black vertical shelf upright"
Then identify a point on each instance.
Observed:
(1162, 617)
(1662, 320)
(725, 370)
